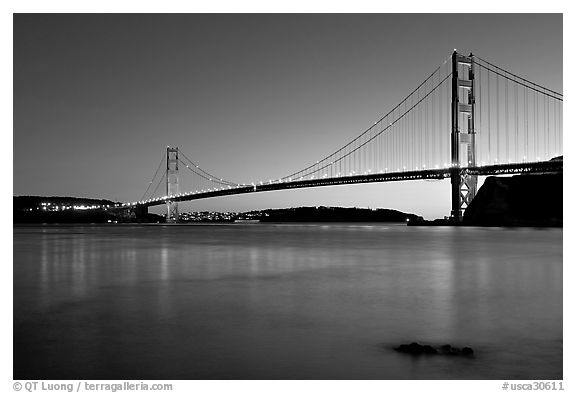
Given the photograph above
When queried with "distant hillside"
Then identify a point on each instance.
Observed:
(32, 202)
(55, 209)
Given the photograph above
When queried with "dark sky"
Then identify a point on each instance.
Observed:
(98, 97)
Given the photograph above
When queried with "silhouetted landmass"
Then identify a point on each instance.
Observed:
(38, 209)
(55, 209)
(522, 200)
(334, 214)
(528, 200)
(31, 202)
(92, 216)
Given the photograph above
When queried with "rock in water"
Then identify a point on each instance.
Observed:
(419, 349)
(467, 351)
(428, 349)
(416, 349)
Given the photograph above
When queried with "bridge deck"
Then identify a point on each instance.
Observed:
(488, 170)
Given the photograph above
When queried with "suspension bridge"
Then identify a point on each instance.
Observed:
(468, 118)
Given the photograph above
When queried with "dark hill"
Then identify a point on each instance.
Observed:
(522, 200)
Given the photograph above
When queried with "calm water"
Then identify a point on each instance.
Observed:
(266, 301)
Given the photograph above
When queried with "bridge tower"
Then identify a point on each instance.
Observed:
(172, 184)
(463, 138)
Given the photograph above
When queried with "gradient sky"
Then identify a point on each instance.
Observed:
(98, 97)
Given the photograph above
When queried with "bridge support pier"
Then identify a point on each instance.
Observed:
(463, 184)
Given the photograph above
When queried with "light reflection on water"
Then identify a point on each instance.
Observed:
(285, 301)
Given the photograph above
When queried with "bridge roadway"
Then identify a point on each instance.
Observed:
(438, 174)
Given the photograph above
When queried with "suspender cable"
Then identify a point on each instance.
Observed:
(517, 77)
(160, 165)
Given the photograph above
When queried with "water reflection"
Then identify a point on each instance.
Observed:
(284, 301)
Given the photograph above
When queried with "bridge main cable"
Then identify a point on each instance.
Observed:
(388, 126)
(515, 76)
(154, 177)
(204, 174)
(296, 174)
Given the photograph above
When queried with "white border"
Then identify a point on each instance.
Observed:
(300, 6)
